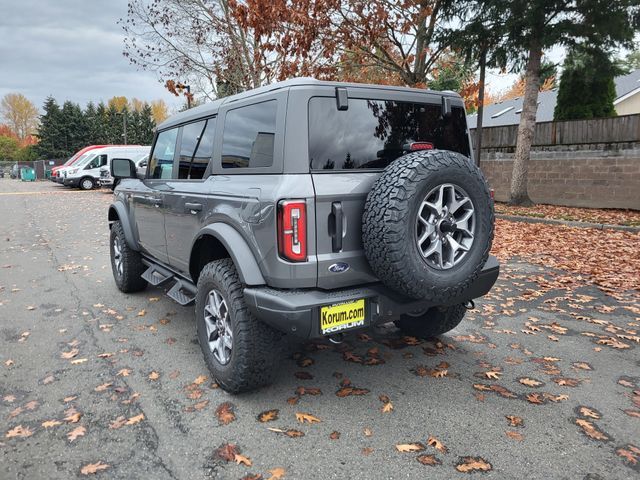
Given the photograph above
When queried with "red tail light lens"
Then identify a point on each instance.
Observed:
(415, 146)
(292, 230)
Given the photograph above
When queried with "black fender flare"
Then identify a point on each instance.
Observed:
(119, 210)
(242, 256)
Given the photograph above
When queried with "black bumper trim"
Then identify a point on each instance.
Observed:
(296, 311)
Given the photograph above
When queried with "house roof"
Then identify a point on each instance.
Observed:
(508, 112)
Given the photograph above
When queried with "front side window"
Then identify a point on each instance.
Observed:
(371, 134)
(98, 161)
(196, 149)
(161, 161)
(249, 134)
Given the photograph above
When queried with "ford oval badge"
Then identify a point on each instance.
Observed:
(339, 267)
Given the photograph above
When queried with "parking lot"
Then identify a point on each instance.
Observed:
(542, 380)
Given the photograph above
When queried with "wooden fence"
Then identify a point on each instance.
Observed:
(573, 132)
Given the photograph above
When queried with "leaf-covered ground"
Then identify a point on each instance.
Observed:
(611, 216)
(540, 381)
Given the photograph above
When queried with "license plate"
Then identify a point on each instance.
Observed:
(342, 316)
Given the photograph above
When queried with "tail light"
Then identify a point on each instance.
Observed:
(292, 230)
(415, 146)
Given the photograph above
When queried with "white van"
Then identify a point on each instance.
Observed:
(106, 180)
(85, 173)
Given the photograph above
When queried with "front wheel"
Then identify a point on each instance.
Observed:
(435, 321)
(87, 183)
(126, 263)
(241, 352)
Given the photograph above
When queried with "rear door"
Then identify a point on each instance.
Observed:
(348, 150)
(186, 205)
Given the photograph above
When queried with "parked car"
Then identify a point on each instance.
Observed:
(106, 180)
(310, 208)
(54, 171)
(85, 173)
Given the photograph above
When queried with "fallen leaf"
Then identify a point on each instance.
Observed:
(590, 430)
(515, 435)
(268, 416)
(79, 431)
(437, 444)
(51, 423)
(19, 431)
(200, 380)
(70, 354)
(93, 468)
(154, 376)
(387, 407)
(515, 421)
(136, 419)
(124, 372)
(588, 412)
(227, 452)
(348, 391)
(103, 387)
(142, 313)
(117, 423)
(334, 435)
(631, 454)
(535, 398)
(225, 413)
(492, 375)
(367, 432)
(276, 473)
(409, 447)
(72, 415)
(530, 382)
(242, 459)
(306, 417)
(471, 464)
(428, 460)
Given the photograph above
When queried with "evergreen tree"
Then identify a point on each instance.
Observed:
(51, 145)
(147, 125)
(587, 89)
(101, 125)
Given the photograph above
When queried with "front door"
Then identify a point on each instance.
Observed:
(148, 201)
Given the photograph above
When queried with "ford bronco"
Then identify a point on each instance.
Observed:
(309, 208)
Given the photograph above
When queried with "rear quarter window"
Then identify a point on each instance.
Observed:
(249, 134)
(371, 134)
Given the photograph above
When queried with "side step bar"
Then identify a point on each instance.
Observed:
(156, 275)
(182, 291)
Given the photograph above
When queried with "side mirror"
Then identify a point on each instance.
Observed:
(123, 168)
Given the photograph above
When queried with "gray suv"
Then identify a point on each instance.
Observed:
(309, 208)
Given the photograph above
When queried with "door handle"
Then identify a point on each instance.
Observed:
(338, 215)
(193, 207)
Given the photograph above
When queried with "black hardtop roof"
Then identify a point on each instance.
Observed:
(211, 108)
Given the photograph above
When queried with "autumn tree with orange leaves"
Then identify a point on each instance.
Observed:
(222, 47)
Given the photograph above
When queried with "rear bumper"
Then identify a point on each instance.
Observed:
(298, 311)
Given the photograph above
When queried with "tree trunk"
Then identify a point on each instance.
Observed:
(483, 66)
(526, 129)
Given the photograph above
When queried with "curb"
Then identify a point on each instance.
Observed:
(569, 223)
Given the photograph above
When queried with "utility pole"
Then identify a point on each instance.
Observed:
(181, 86)
(483, 66)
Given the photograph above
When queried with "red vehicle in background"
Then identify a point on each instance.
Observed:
(78, 154)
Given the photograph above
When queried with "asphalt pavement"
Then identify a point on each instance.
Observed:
(542, 380)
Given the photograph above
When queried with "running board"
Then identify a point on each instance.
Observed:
(182, 292)
(155, 275)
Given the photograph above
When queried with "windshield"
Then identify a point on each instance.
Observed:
(84, 159)
(371, 134)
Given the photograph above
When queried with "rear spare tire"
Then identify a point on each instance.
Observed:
(428, 225)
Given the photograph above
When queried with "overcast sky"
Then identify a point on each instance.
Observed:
(71, 49)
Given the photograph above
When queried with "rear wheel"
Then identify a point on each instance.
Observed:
(241, 352)
(435, 321)
(87, 183)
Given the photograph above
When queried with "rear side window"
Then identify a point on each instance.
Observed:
(161, 161)
(249, 134)
(196, 149)
(371, 134)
